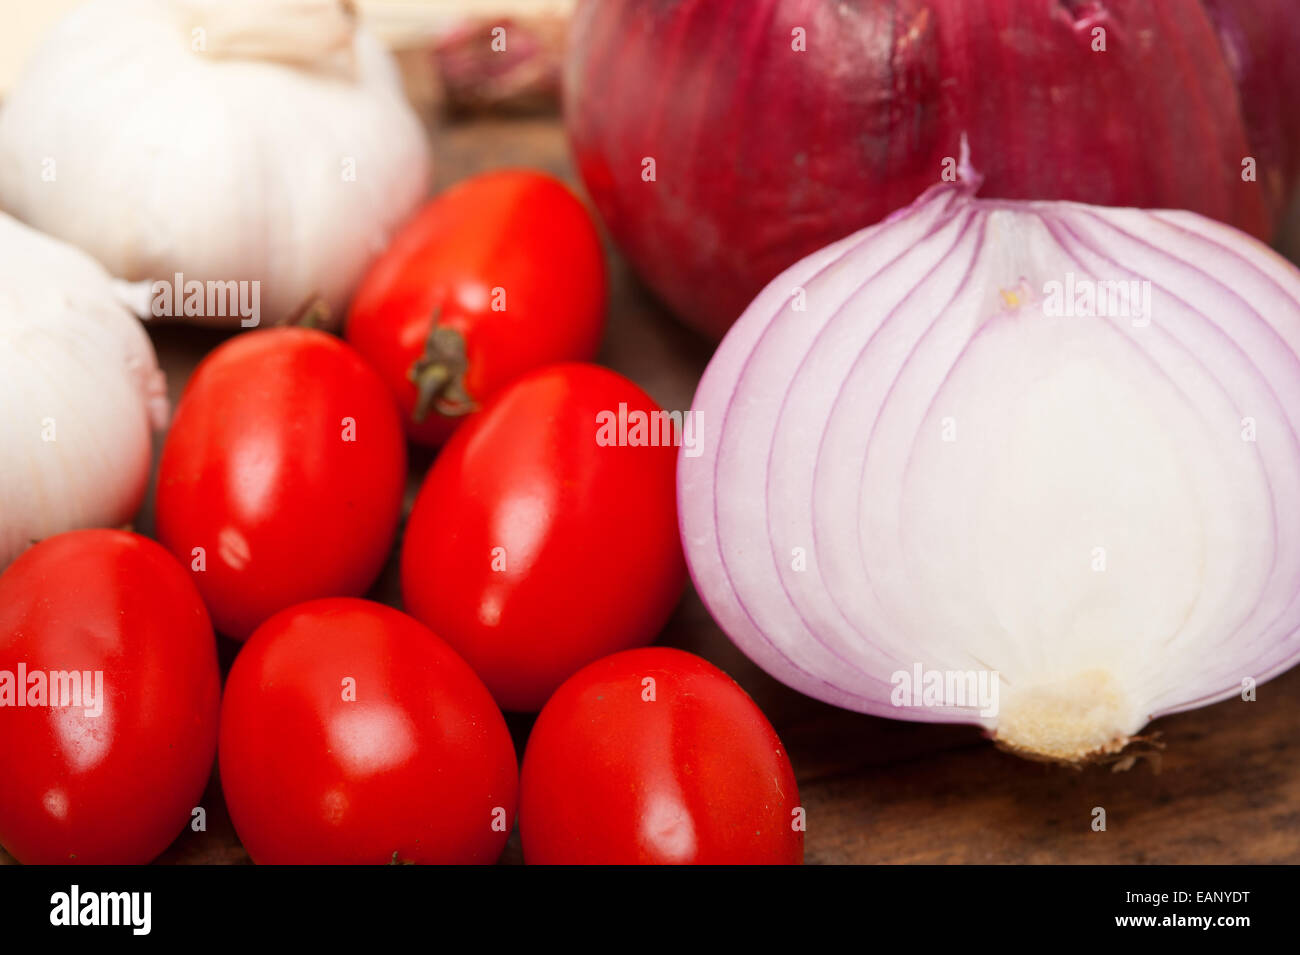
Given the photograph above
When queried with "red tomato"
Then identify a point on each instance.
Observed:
(351, 734)
(286, 464)
(115, 779)
(657, 756)
(511, 264)
(532, 548)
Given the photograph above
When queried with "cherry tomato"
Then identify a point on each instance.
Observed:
(113, 772)
(533, 547)
(351, 734)
(282, 476)
(500, 274)
(657, 756)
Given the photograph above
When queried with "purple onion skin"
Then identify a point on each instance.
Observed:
(763, 154)
(1260, 40)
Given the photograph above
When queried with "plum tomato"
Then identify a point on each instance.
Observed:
(109, 695)
(351, 734)
(541, 540)
(502, 273)
(655, 756)
(282, 476)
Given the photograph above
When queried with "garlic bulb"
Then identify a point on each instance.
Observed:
(258, 151)
(80, 390)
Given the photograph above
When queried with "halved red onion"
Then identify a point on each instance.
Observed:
(928, 478)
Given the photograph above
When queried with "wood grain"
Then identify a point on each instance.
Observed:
(1227, 789)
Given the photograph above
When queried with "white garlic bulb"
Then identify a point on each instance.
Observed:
(80, 391)
(261, 143)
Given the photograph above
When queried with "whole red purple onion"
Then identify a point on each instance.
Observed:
(777, 126)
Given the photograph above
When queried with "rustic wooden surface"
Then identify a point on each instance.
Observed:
(1227, 789)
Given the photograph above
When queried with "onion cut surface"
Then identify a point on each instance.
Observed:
(912, 463)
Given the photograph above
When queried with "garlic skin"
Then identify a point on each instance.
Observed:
(80, 393)
(252, 140)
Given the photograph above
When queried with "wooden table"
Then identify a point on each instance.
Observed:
(1226, 790)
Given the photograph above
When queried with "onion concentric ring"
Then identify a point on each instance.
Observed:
(1045, 444)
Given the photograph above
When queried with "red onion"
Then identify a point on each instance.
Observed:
(1045, 445)
(763, 153)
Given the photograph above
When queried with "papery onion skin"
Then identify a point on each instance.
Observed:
(840, 539)
(159, 158)
(81, 392)
(764, 154)
(1259, 39)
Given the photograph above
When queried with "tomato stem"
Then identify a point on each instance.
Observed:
(314, 312)
(439, 374)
